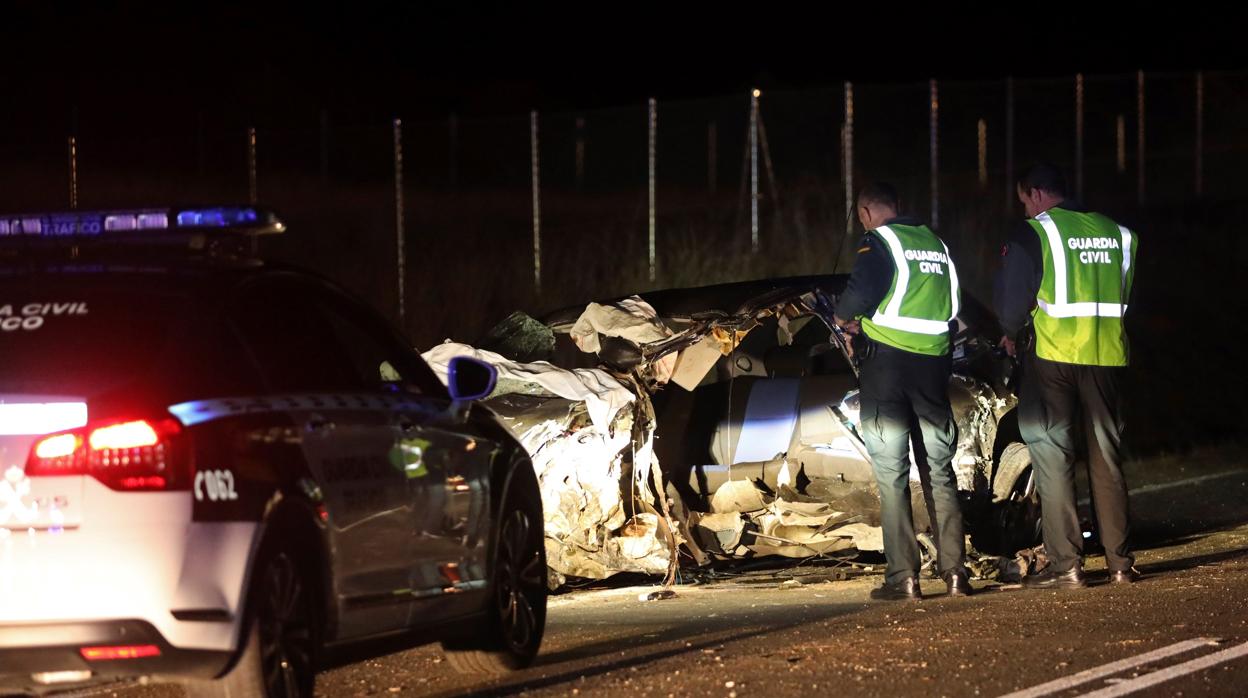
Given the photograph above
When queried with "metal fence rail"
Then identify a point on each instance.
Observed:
(496, 213)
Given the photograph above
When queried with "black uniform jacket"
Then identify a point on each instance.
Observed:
(872, 275)
(1018, 280)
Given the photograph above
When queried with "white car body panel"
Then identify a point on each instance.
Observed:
(132, 556)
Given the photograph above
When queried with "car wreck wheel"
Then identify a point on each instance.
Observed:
(1016, 511)
(517, 610)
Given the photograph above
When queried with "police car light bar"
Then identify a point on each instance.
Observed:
(239, 219)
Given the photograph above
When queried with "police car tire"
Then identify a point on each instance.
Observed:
(1016, 514)
(246, 679)
(507, 646)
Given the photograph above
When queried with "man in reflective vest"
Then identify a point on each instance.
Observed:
(1068, 271)
(899, 301)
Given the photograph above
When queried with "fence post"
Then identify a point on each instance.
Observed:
(934, 107)
(754, 95)
(252, 185)
(847, 148)
(712, 157)
(1139, 156)
(1200, 132)
(983, 152)
(1079, 135)
(1009, 144)
(537, 204)
(1122, 144)
(400, 253)
(73, 172)
(768, 168)
(652, 134)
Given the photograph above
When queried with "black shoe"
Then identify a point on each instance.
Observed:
(906, 589)
(1127, 576)
(1048, 579)
(958, 583)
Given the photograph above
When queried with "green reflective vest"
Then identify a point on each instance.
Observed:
(924, 296)
(1089, 263)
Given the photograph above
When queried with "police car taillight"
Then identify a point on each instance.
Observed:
(98, 654)
(128, 455)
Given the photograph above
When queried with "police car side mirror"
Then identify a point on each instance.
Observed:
(470, 379)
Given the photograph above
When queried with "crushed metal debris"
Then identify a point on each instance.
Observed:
(721, 425)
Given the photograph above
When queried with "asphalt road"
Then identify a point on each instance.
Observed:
(770, 634)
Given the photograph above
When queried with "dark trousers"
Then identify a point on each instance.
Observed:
(1052, 395)
(899, 389)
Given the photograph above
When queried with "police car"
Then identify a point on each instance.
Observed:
(234, 473)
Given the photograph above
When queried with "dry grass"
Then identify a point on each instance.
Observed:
(469, 264)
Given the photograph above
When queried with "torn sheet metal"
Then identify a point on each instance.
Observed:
(717, 532)
(977, 409)
(694, 362)
(761, 446)
(738, 497)
(603, 395)
(593, 527)
(789, 463)
(590, 440)
(632, 319)
(750, 521)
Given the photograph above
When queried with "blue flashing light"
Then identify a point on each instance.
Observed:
(217, 217)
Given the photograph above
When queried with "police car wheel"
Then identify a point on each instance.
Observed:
(285, 628)
(277, 657)
(517, 610)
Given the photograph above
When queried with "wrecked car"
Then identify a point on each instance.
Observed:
(722, 422)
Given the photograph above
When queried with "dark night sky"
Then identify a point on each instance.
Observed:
(366, 61)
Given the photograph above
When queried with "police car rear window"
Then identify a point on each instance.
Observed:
(81, 336)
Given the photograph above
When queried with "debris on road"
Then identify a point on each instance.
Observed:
(660, 595)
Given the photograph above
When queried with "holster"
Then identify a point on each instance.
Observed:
(1026, 340)
(864, 347)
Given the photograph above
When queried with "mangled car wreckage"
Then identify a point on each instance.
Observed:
(722, 422)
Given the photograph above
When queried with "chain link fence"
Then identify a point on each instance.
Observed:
(625, 202)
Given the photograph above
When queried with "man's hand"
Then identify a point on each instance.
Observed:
(850, 326)
(1008, 345)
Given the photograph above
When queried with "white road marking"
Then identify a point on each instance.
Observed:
(1173, 672)
(1110, 669)
(1162, 486)
(1189, 481)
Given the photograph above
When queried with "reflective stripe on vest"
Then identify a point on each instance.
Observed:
(1061, 307)
(890, 316)
(1088, 272)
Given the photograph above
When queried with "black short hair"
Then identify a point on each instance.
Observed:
(881, 194)
(1044, 176)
